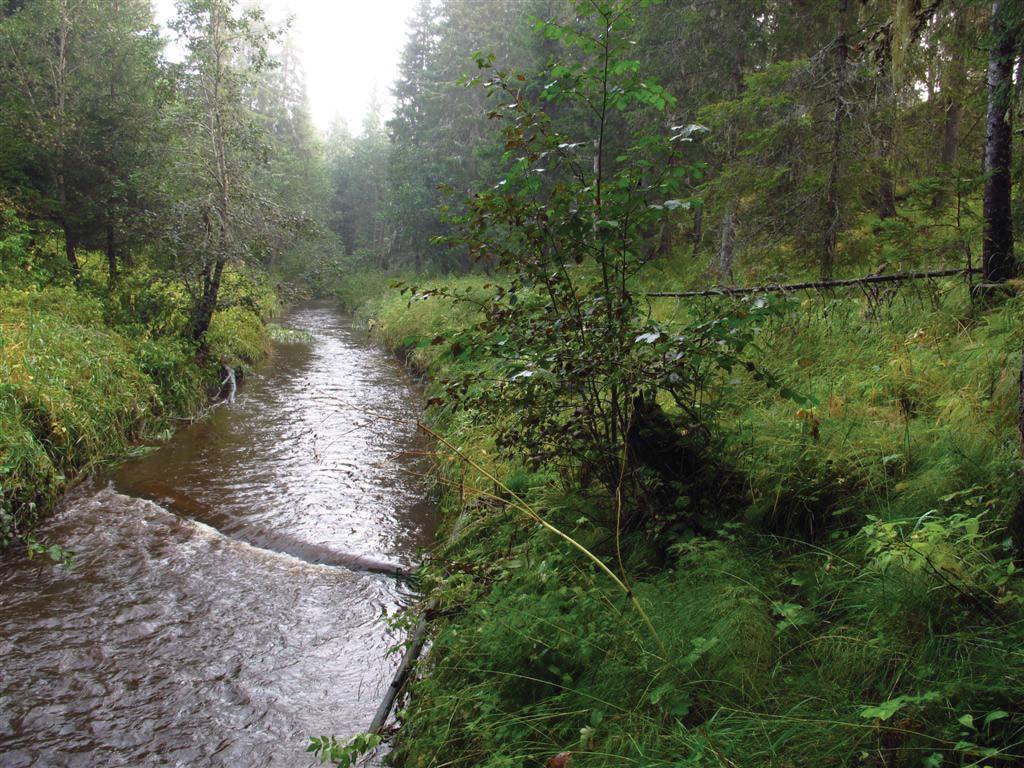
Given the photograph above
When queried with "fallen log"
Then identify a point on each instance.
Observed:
(318, 554)
(895, 277)
(416, 643)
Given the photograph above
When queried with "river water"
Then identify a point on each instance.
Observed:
(224, 605)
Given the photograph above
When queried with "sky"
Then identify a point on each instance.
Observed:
(349, 49)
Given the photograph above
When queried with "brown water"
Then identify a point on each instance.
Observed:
(219, 611)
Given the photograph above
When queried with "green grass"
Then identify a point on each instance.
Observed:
(850, 603)
(85, 373)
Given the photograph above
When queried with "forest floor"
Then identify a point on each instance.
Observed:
(847, 596)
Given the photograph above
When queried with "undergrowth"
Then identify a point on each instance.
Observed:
(86, 371)
(849, 599)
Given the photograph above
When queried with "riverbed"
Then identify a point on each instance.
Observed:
(229, 597)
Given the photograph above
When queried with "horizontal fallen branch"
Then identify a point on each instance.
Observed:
(895, 277)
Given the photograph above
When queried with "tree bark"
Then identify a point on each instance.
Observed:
(203, 314)
(405, 666)
(896, 277)
(698, 228)
(666, 238)
(71, 251)
(218, 133)
(722, 267)
(111, 250)
(832, 205)
(886, 201)
(950, 149)
(952, 85)
(997, 259)
(886, 179)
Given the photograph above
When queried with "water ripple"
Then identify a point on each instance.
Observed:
(207, 622)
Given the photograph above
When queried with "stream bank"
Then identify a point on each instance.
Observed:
(211, 619)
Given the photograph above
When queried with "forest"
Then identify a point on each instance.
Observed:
(716, 320)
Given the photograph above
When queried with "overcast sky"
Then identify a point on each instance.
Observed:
(349, 48)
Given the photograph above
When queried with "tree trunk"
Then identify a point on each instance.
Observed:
(203, 314)
(950, 148)
(886, 180)
(666, 238)
(952, 86)
(722, 267)
(111, 255)
(71, 250)
(832, 206)
(698, 228)
(997, 261)
(1017, 195)
(886, 200)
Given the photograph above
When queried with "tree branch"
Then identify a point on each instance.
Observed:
(896, 277)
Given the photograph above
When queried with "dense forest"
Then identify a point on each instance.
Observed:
(717, 309)
(828, 134)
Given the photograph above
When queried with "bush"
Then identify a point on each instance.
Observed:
(237, 336)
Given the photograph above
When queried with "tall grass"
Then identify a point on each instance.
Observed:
(84, 373)
(850, 599)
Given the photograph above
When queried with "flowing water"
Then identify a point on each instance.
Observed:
(227, 600)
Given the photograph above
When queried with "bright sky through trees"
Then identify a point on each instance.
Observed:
(349, 48)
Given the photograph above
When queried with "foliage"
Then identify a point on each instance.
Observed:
(83, 375)
(71, 394)
(830, 576)
(898, 155)
(80, 86)
(834, 619)
(213, 177)
(893, 633)
(139, 198)
(570, 349)
(235, 336)
(344, 754)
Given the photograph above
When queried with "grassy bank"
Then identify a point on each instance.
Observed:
(86, 372)
(846, 597)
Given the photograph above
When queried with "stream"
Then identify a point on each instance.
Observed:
(227, 600)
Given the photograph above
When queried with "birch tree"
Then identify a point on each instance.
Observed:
(220, 146)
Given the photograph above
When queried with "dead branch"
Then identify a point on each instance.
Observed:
(416, 643)
(896, 277)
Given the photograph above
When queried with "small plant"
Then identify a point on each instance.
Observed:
(572, 350)
(284, 335)
(327, 749)
(949, 548)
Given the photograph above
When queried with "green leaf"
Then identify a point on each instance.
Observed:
(660, 692)
(996, 714)
(885, 710)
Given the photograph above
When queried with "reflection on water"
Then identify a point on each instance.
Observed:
(207, 621)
